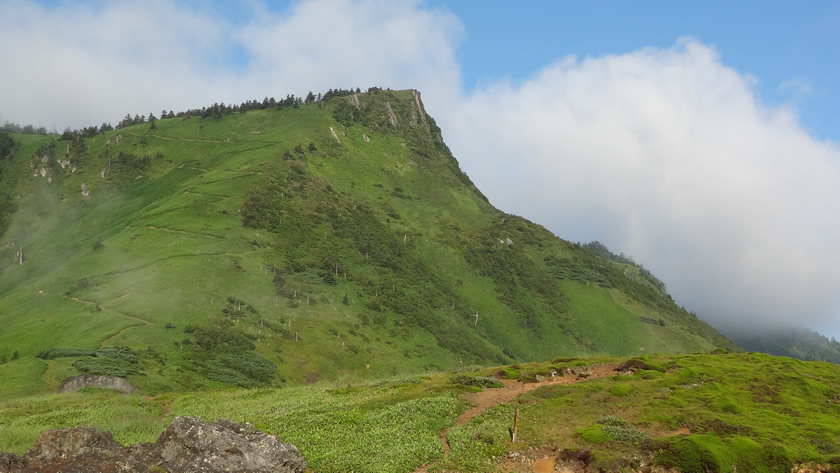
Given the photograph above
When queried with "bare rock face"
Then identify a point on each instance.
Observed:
(392, 117)
(191, 445)
(187, 445)
(77, 450)
(88, 380)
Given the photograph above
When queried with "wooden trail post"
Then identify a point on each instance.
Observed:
(515, 421)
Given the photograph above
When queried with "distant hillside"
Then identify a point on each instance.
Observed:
(286, 243)
(794, 342)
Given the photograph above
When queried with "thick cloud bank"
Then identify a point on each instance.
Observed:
(668, 156)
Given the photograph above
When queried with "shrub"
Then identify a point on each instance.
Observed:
(240, 369)
(621, 390)
(615, 429)
(124, 354)
(686, 455)
(105, 366)
(592, 434)
(626, 435)
(52, 353)
(222, 340)
(529, 374)
(639, 364)
(721, 428)
(477, 381)
(252, 365)
(509, 372)
(612, 420)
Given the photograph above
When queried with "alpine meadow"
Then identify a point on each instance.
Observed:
(323, 269)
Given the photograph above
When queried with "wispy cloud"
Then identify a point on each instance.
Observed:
(795, 89)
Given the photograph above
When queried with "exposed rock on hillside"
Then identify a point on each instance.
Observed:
(392, 117)
(187, 445)
(75, 383)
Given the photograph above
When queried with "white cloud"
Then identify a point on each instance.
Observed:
(79, 64)
(326, 44)
(668, 156)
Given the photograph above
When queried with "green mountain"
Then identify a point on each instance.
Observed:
(335, 239)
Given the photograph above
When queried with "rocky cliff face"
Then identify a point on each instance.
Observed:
(187, 445)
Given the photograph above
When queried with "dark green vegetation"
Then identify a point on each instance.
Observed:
(692, 413)
(793, 342)
(323, 239)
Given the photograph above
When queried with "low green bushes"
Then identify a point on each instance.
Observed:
(109, 361)
(477, 381)
(707, 453)
(53, 353)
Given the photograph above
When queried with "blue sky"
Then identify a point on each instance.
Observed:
(700, 138)
(797, 43)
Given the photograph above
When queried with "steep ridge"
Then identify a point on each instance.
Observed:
(334, 239)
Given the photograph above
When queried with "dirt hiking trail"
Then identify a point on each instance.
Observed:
(492, 397)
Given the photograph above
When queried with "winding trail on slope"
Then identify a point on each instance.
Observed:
(120, 333)
(146, 265)
(170, 230)
(176, 139)
(200, 140)
(140, 322)
(513, 388)
(49, 373)
(47, 376)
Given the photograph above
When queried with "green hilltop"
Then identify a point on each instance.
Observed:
(336, 239)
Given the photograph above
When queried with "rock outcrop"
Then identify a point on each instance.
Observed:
(75, 383)
(392, 117)
(187, 445)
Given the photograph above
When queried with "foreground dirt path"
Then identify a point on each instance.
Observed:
(513, 388)
(493, 397)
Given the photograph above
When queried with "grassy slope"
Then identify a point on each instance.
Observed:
(695, 413)
(365, 258)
